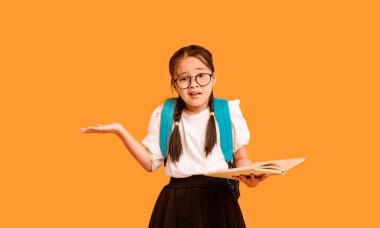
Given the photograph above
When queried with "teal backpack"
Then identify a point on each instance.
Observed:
(222, 116)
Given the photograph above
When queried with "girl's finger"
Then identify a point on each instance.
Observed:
(82, 129)
(260, 177)
(253, 178)
(256, 180)
(90, 129)
(244, 178)
(263, 177)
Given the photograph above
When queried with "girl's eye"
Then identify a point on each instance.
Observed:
(182, 79)
(201, 75)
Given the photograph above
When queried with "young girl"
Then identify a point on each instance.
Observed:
(191, 199)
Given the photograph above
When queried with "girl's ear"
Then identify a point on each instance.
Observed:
(175, 88)
(214, 79)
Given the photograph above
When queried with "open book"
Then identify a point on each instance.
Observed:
(275, 167)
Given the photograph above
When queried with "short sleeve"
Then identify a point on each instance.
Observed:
(152, 140)
(240, 131)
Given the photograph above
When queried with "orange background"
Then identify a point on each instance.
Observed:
(306, 73)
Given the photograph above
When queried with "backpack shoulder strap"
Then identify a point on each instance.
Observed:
(166, 124)
(222, 116)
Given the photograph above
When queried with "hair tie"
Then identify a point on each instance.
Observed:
(176, 123)
(212, 114)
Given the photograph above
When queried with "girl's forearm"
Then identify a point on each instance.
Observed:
(138, 151)
(241, 158)
(243, 162)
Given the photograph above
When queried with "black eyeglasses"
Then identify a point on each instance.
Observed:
(201, 79)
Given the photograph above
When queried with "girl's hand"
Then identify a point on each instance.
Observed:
(99, 128)
(252, 180)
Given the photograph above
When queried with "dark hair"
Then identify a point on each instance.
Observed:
(175, 145)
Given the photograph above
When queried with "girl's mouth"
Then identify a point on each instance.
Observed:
(194, 94)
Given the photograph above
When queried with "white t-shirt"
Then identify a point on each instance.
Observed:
(192, 129)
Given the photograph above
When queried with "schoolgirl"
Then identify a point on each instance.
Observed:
(191, 199)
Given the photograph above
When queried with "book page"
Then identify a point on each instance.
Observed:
(285, 164)
(270, 166)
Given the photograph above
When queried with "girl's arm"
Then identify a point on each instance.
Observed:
(241, 158)
(138, 151)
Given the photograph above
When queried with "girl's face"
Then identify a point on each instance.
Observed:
(196, 96)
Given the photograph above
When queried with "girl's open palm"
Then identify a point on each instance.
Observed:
(99, 128)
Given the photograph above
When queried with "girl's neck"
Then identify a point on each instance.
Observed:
(191, 110)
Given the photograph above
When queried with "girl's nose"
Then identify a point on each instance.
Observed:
(193, 83)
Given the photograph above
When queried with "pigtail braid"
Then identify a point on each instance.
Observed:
(211, 128)
(175, 145)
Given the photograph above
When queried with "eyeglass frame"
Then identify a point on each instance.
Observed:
(195, 79)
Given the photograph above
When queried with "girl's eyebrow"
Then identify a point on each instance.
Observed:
(198, 68)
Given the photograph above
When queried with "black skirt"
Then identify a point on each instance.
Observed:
(197, 201)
